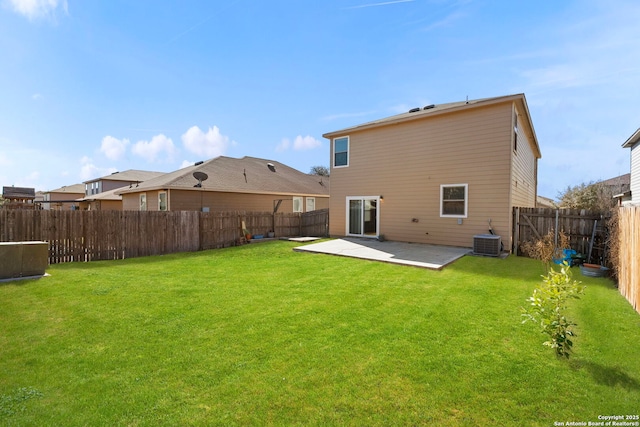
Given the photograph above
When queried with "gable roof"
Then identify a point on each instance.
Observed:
(621, 180)
(437, 109)
(105, 195)
(69, 189)
(18, 193)
(245, 175)
(633, 140)
(131, 175)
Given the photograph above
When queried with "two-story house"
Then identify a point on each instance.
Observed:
(437, 174)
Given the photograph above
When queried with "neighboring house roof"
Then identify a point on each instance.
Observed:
(245, 175)
(130, 175)
(18, 193)
(105, 195)
(622, 180)
(437, 109)
(633, 140)
(69, 189)
(545, 202)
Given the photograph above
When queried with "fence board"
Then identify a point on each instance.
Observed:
(76, 236)
(629, 256)
(531, 224)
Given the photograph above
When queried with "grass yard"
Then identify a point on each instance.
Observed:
(262, 335)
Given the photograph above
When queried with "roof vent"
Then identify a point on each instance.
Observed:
(271, 167)
(413, 110)
(198, 163)
(430, 106)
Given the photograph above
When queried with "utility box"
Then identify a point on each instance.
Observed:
(23, 259)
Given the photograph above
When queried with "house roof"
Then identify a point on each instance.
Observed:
(437, 109)
(69, 189)
(130, 175)
(633, 140)
(245, 175)
(105, 195)
(18, 193)
(619, 180)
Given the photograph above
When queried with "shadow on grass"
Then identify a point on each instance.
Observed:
(605, 375)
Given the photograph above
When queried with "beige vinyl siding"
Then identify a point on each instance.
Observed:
(635, 173)
(194, 200)
(130, 202)
(406, 163)
(523, 178)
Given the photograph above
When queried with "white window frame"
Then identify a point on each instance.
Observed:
(143, 201)
(347, 209)
(166, 201)
(298, 204)
(466, 200)
(310, 204)
(333, 160)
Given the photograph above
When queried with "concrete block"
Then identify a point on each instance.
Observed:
(35, 258)
(10, 260)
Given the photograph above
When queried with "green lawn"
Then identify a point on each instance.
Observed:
(263, 335)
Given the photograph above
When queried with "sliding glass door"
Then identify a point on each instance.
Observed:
(362, 216)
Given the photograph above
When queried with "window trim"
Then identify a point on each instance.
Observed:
(348, 199)
(166, 201)
(308, 208)
(333, 160)
(466, 200)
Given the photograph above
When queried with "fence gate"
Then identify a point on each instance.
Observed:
(587, 231)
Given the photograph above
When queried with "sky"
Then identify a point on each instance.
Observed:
(90, 87)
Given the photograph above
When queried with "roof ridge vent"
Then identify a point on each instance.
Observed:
(198, 163)
(414, 110)
(430, 106)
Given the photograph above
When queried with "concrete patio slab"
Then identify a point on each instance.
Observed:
(415, 254)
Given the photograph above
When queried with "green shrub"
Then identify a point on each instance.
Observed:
(547, 307)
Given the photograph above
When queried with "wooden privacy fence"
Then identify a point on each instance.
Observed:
(587, 231)
(629, 254)
(107, 235)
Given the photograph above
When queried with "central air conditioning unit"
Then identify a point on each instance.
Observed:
(487, 244)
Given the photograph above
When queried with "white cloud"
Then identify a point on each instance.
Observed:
(33, 9)
(113, 148)
(186, 163)
(90, 171)
(36, 96)
(152, 150)
(300, 143)
(305, 143)
(284, 145)
(210, 144)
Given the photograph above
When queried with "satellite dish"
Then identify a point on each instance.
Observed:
(200, 176)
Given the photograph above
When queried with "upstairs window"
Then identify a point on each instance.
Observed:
(341, 152)
(453, 200)
(515, 133)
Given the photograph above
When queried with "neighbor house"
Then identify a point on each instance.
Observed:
(440, 174)
(634, 143)
(100, 193)
(63, 198)
(229, 184)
